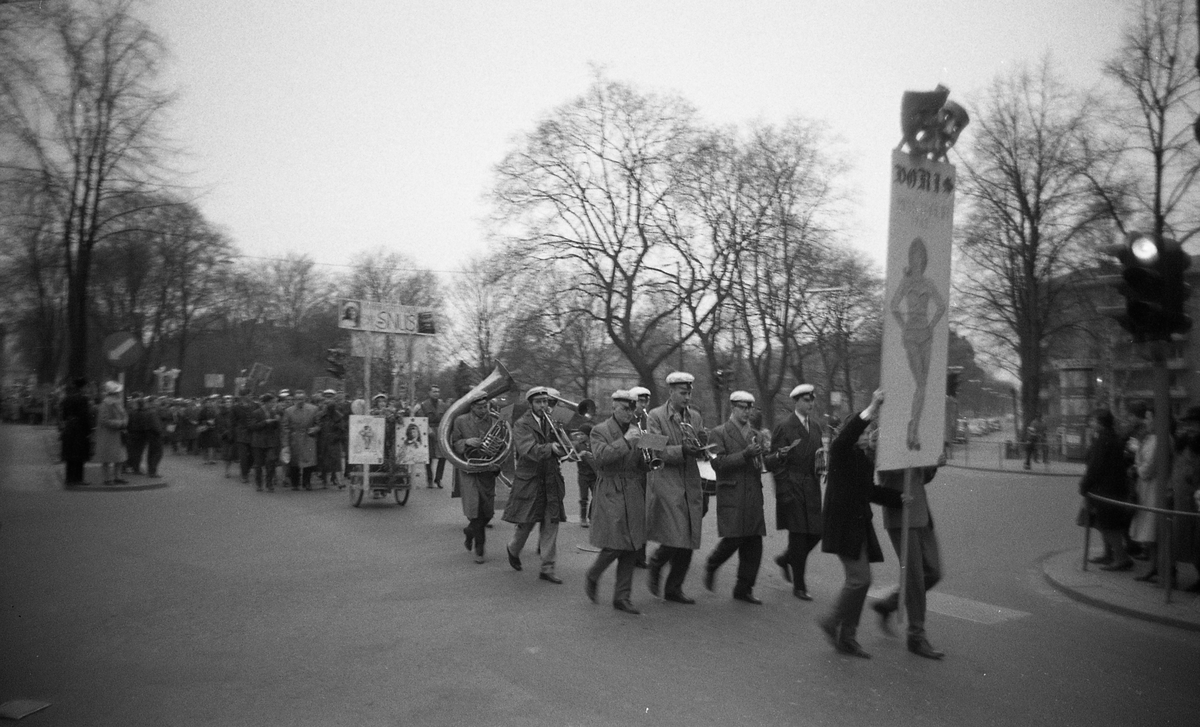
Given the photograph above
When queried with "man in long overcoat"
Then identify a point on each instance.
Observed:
(619, 508)
(242, 409)
(434, 408)
(797, 439)
(740, 521)
(478, 489)
(848, 533)
(298, 421)
(262, 423)
(538, 489)
(76, 420)
(674, 498)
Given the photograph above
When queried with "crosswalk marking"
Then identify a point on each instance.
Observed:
(964, 608)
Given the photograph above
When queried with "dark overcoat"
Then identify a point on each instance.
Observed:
(797, 484)
(538, 488)
(1105, 475)
(739, 485)
(848, 496)
(76, 428)
(263, 425)
(619, 505)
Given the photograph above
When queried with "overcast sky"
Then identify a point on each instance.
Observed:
(337, 126)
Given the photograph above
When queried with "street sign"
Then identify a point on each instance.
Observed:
(214, 381)
(259, 373)
(378, 317)
(122, 349)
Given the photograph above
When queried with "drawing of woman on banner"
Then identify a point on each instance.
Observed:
(366, 439)
(413, 446)
(910, 307)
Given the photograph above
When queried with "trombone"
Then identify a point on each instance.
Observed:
(560, 435)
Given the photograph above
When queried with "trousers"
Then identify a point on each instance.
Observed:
(677, 561)
(547, 541)
(749, 551)
(626, 563)
(923, 572)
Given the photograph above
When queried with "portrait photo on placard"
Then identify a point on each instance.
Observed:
(412, 440)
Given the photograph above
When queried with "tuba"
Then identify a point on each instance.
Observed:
(497, 443)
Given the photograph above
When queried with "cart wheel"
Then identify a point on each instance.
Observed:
(356, 494)
(401, 499)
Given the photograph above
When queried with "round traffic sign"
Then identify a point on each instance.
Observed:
(122, 349)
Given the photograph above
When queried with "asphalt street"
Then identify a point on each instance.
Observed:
(206, 603)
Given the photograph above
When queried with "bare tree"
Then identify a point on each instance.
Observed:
(79, 123)
(590, 190)
(1030, 209)
(1156, 73)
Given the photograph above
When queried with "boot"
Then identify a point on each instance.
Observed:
(583, 516)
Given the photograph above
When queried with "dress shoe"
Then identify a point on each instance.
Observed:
(479, 558)
(1151, 577)
(784, 570)
(922, 647)
(679, 598)
(653, 579)
(1127, 564)
(627, 607)
(850, 647)
(469, 543)
(119, 481)
(801, 594)
(584, 523)
(710, 577)
(589, 587)
(1101, 559)
(747, 597)
(439, 484)
(513, 560)
(551, 578)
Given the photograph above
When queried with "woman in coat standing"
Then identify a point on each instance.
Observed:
(849, 533)
(1105, 476)
(619, 506)
(111, 421)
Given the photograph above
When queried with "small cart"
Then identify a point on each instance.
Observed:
(381, 480)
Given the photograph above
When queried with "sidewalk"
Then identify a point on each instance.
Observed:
(1120, 593)
(1017, 467)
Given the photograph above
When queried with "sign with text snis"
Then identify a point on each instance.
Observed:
(378, 317)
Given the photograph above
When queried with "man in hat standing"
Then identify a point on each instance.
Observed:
(619, 514)
(434, 408)
(674, 499)
(242, 409)
(299, 431)
(263, 424)
(477, 489)
(797, 442)
(538, 488)
(739, 464)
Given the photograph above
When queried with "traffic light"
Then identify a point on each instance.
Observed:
(336, 363)
(1152, 273)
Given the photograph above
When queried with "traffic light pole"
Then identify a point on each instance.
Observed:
(1159, 351)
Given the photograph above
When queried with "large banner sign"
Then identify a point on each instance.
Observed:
(377, 317)
(916, 329)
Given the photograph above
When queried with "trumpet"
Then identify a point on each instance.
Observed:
(651, 462)
(759, 463)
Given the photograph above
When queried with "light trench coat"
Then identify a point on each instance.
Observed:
(619, 505)
(674, 498)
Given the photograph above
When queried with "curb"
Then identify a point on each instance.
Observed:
(1078, 595)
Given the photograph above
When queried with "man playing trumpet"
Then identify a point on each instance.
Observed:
(739, 465)
(674, 500)
(797, 440)
(538, 488)
(619, 509)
